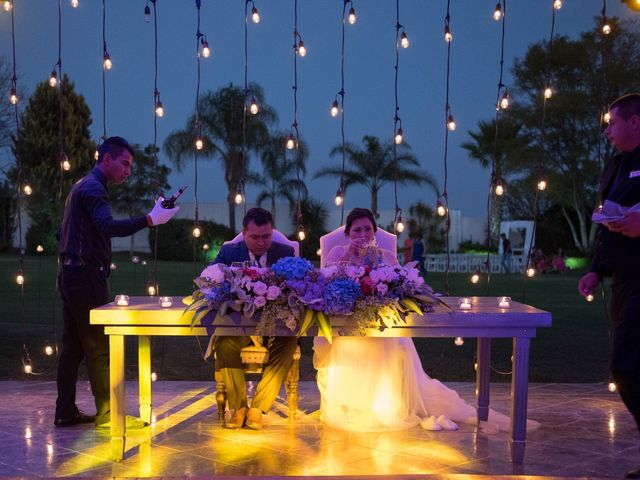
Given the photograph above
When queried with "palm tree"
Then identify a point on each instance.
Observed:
(278, 178)
(373, 166)
(221, 115)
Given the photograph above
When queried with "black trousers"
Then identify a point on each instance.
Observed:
(625, 348)
(82, 288)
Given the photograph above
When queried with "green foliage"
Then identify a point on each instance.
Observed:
(314, 221)
(472, 247)
(424, 224)
(175, 239)
(37, 151)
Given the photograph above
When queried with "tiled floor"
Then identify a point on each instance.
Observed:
(585, 431)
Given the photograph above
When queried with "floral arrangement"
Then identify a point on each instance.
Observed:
(294, 293)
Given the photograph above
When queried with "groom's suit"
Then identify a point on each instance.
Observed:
(227, 349)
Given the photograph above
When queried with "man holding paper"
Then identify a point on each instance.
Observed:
(617, 250)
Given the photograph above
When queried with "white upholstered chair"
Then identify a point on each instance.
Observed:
(254, 356)
(384, 239)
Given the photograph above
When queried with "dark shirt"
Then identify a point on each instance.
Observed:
(417, 252)
(87, 225)
(238, 252)
(621, 184)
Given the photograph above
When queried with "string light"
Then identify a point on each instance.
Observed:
(589, 297)
(499, 189)
(531, 272)
(253, 108)
(606, 29)
(497, 13)
(205, 247)
(20, 278)
(152, 290)
(557, 4)
(39, 248)
(106, 61)
(441, 210)
(65, 164)
(75, 3)
(113, 266)
(301, 50)
(451, 123)
(339, 198)
(53, 79)
(301, 235)
(504, 102)
(28, 368)
(255, 16)
(334, 108)
(206, 51)
(542, 185)
(13, 96)
(159, 109)
(459, 341)
(7, 6)
(239, 198)
(291, 143)
(196, 232)
(475, 278)
(147, 13)
(448, 37)
(606, 117)
(612, 387)
(548, 93)
(404, 40)
(199, 144)
(48, 349)
(96, 154)
(352, 16)
(27, 189)
(154, 376)
(399, 136)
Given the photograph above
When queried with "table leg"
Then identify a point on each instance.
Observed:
(483, 377)
(144, 377)
(117, 379)
(519, 392)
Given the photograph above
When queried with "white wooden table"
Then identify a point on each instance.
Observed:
(144, 317)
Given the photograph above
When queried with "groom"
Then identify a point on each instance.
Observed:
(257, 227)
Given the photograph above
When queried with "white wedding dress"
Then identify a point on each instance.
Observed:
(374, 384)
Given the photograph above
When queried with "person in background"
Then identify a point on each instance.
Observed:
(558, 263)
(407, 248)
(506, 257)
(85, 259)
(417, 253)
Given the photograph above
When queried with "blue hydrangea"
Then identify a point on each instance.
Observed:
(340, 295)
(219, 293)
(292, 268)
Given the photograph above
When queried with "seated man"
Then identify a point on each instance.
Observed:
(257, 228)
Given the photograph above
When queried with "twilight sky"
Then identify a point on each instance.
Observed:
(369, 62)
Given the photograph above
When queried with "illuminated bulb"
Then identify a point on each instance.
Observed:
(147, 13)
(399, 136)
(7, 6)
(20, 278)
(612, 387)
(400, 226)
(74, 3)
(440, 209)
(339, 199)
(589, 298)
(451, 123)
(404, 40)
(135, 259)
(199, 144)
(497, 13)
(96, 154)
(606, 117)
(159, 109)
(27, 189)
(475, 278)
(475, 366)
(352, 15)
(196, 232)
(612, 424)
(151, 290)
(447, 34)
(459, 341)
(253, 108)
(255, 16)
(319, 252)
(548, 93)
(39, 249)
(53, 79)
(143, 263)
(531, 272)
(334, 108)
(205, 247)
(238, 198)
(504, 103)
(542, 185)
(206, 51)
(154, 376)
(48, 349)
(27, 367)
(113, 266)
(606, 29)
(65, 163)
(13, 97)
(290, 142)
(302, 50)
(499, 189)
(106, 62)
(557, 4)
(301, 235)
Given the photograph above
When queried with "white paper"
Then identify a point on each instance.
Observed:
(612, 211)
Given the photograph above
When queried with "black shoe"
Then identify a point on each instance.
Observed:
(635, 473)
(81, 417)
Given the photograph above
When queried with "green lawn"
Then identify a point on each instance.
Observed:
(575, 349)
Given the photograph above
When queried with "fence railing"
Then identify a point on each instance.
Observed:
(465, 263)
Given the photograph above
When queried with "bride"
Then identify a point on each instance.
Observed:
(372, 383)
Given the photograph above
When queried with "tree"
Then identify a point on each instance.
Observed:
(426, 225)
(37, 151)
(314, 221)
(373, 166)
(279, 177)
(135, 196)
(221, 116)
(7, 120)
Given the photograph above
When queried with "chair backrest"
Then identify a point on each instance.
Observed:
(385, 240)
(276, 236)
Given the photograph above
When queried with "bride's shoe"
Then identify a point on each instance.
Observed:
(447, 424)
(431, 423)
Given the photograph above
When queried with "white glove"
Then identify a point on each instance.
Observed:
(161, 215)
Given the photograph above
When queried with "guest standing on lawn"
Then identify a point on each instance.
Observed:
(85, 257)
(618, 251)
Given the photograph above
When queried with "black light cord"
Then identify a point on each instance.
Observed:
(447, 113)
(294, 126)
(397, 123)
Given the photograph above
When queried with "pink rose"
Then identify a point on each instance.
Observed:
(260, 301)
(260, 288)
(273, 292)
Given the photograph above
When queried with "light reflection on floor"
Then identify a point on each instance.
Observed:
(585, 431)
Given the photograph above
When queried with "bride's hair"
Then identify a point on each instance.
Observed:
(357, 213)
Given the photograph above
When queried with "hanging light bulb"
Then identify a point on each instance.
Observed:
(497, 13)
(48, 349)
(447, 34)
(499, 190)
(542, 184)
(334, 108)
(475, 278)
(28, 368)
(206, 51)
(255, 16)
(75, 3)
(531, 272)
(451, 123)
(27, 189)
(504, 102)
(291, 143)
(253, 108)
(20, 278)
(319, 252)
(205, 247)
(239, 198)
(39, 248)
(399, 136)
(404, 40)
(7, 6)
(53, 79)
(301, 234)
(612, 386)
(65, 164)
(151, 289)
(441, 210)
(302, 50)
(13, 97)
(159, 109)
(339, 199)
(196, 232)
(113, 266)
(106, 61)
(352, 15)
(589, 297)
(147, 13)
(154, 376)
(606, 117)
(606, 29)
(459, 341)
(199, 143)
(548, 93)
(96, 154)
(400, 225)
(557, 4)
